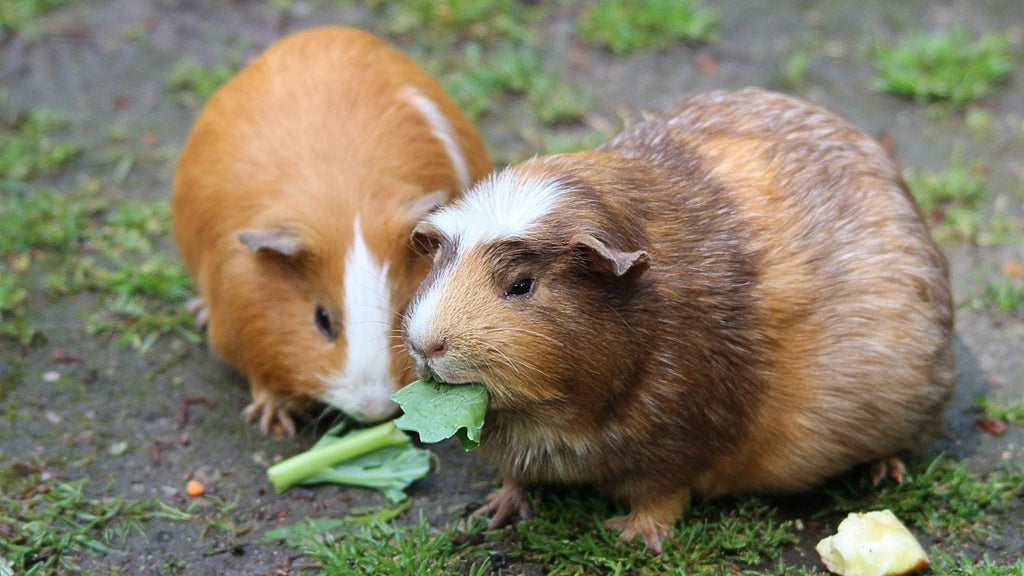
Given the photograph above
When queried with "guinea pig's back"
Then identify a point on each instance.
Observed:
(853, 300)
(312, 119)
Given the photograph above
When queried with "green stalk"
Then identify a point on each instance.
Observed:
(297, 468)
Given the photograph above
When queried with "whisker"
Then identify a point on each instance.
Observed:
(525, 331)
(504, 356)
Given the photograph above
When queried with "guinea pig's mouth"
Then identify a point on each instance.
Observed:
(444, 375)
(431, 375)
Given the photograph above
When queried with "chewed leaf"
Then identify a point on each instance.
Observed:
(439, 411)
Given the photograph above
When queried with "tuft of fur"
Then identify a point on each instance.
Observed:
(738, 295)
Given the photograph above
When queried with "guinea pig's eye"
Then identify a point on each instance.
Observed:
(323, 323)
(521, 287)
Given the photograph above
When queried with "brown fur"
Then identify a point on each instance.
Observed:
(789, 315)
(303, 139)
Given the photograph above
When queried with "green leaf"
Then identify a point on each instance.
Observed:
(438, 411)
(380, 457)
(390, 470)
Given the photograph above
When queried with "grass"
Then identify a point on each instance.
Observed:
(488, 55)
(1004, 295)
(944, 499)
(194, 83)
(952, 198)
(794, 69)
(944, 564)
(484, 77)
(628, 27)
(30, 146)
(14, 323)
(82, 237)
(948, 66)
(381, 548)
(85, 242)
(64, 236)
(23, 14)
(1009, 413)
(476, 19)
(48, 525)
(941, 500)
(567, 536)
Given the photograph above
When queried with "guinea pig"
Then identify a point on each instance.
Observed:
(293, 203)
(738, 296)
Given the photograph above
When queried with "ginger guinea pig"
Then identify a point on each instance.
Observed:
(293, 203)
(736, 296)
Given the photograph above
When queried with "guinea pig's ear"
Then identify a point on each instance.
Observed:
(282, 241)
(611, 260)
(425, 238)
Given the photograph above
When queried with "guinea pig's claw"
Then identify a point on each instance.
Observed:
(632, 525)
(272, 416)
(507, 503)
(197, 307)
(891, 467)
(651, 518)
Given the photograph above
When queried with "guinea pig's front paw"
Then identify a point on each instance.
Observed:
(505, 504)
(273, 413)
(197, 307)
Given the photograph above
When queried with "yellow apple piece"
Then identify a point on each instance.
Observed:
(872, 544)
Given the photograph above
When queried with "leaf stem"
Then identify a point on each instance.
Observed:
(297, 468)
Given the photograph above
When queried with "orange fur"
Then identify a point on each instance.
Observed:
(311, 134)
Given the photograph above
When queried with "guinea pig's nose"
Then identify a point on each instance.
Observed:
(437, 348)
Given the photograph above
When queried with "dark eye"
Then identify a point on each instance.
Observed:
(323, 323)
(521, 287)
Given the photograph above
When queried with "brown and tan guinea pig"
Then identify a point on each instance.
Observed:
(736, 296)
(293, 203)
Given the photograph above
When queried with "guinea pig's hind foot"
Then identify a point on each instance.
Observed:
(507, 503)
(197, 308)
(891, 467)
(273, 414)
(650, 518)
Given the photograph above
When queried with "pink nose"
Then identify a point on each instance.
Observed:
(437, 348)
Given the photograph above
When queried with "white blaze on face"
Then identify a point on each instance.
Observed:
(505, 206)
(442, 129)
(363, 389)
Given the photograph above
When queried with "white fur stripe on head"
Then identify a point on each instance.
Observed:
(505, 205)
(442, 128)
(364, 386)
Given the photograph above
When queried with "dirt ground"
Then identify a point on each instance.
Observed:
(106, 63)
